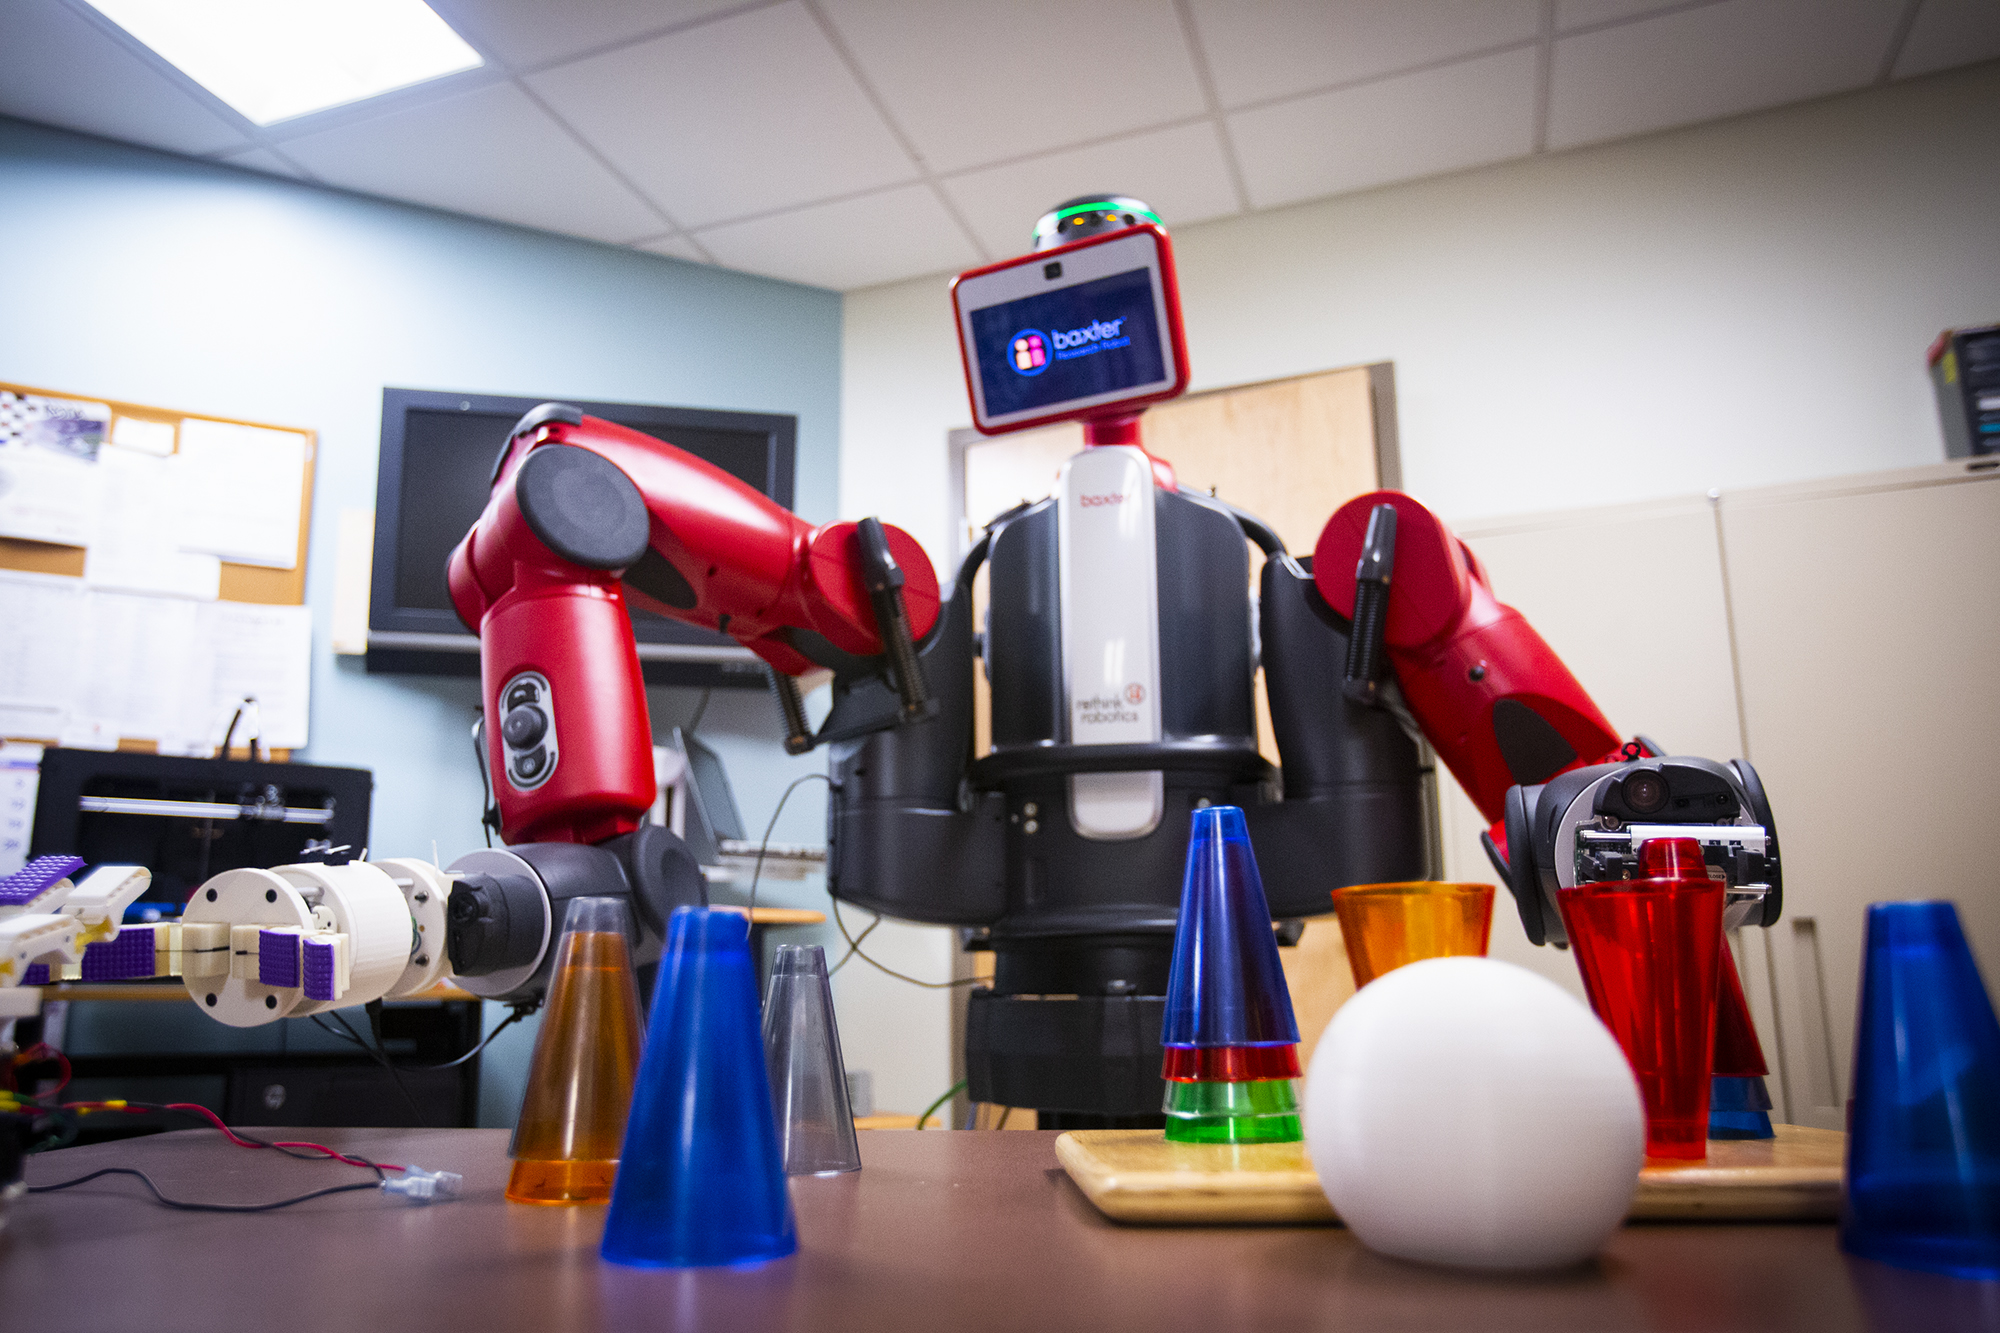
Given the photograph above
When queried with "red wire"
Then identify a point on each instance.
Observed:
(230, 1134)
(196, 1108)
(40, 1051)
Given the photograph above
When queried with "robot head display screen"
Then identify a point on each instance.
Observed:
(1082, 330)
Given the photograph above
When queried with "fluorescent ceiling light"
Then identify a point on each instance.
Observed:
(275, 59)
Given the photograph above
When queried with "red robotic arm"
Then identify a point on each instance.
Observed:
(1488, 692)
(585, 514)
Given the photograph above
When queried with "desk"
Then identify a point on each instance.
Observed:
(941, 1232)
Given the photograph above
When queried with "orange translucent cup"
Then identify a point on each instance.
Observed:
(1388, 925)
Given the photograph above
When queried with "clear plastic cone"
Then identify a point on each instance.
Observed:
(802, 1058)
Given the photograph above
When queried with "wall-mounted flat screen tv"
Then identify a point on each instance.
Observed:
(433, 480)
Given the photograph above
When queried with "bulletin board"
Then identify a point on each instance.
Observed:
(239, 582)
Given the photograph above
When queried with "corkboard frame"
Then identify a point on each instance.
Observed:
(240, 583)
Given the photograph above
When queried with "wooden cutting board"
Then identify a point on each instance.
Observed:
(1135, 1175)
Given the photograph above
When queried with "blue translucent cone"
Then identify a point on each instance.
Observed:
(701, 1180)
(1923, 1148)
(1230, 1037)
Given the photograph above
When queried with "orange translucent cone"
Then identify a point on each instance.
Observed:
(1388, 925)
(572, 1123)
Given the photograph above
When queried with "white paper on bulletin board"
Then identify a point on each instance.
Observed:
(43, 619)
(260, 652)
(135, 536)
(240, 489)
(47, 496)
(80, 663)
(138, 655)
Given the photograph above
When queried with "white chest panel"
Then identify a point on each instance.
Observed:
(1111, 632)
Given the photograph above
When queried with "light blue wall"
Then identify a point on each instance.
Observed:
(156, 279)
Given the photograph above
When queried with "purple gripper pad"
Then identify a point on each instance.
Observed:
(37, 974)
(1226, 987)
(277, 958)
(319, 969)
(36, 878)
(125, 958)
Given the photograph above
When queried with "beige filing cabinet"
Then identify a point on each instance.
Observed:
(1843, 636)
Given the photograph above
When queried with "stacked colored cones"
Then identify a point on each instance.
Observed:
(565, 1146)
(808, 1076)
(1230, 1038)
(702, 1180)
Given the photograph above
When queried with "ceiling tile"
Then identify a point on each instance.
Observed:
(490, 152)
(735, 117)
(1718, 60)
(60, 68)
(1949, 33)
(525, 33)
(261, 159)
(1180, 172)
(674, 247)
(1462, 115)
(1586, 13)
(1257, 52)
(898, 233)
(978, 83)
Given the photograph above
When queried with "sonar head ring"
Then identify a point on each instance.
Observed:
(1090, 215)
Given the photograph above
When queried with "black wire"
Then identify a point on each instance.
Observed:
(700, 710)
(854, 947)
(147, 1181)
(347, 1037)
(758, 873)
(520, 1011)
(374, 1011)
(489, 812)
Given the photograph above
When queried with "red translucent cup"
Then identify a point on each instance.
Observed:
(1650, 951)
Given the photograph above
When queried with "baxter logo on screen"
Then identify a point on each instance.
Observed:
(1028, 352)
(1098, 330)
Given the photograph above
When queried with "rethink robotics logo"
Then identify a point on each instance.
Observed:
(1029, 350)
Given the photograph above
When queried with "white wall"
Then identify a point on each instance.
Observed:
(1732, 305)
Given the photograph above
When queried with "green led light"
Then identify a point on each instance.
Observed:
(1063, 215)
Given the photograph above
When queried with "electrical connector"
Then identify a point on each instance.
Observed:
(423, 1186)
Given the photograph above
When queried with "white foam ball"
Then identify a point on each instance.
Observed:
(1468, 1112)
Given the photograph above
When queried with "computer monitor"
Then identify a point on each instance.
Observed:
(1090, 329)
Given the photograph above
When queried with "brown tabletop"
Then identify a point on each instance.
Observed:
(941, 1231)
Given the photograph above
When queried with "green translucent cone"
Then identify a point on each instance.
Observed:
(1260, 1111)
(1261, 1097)
(1234, 1129)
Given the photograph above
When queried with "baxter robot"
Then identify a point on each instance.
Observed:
(1120, 650)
